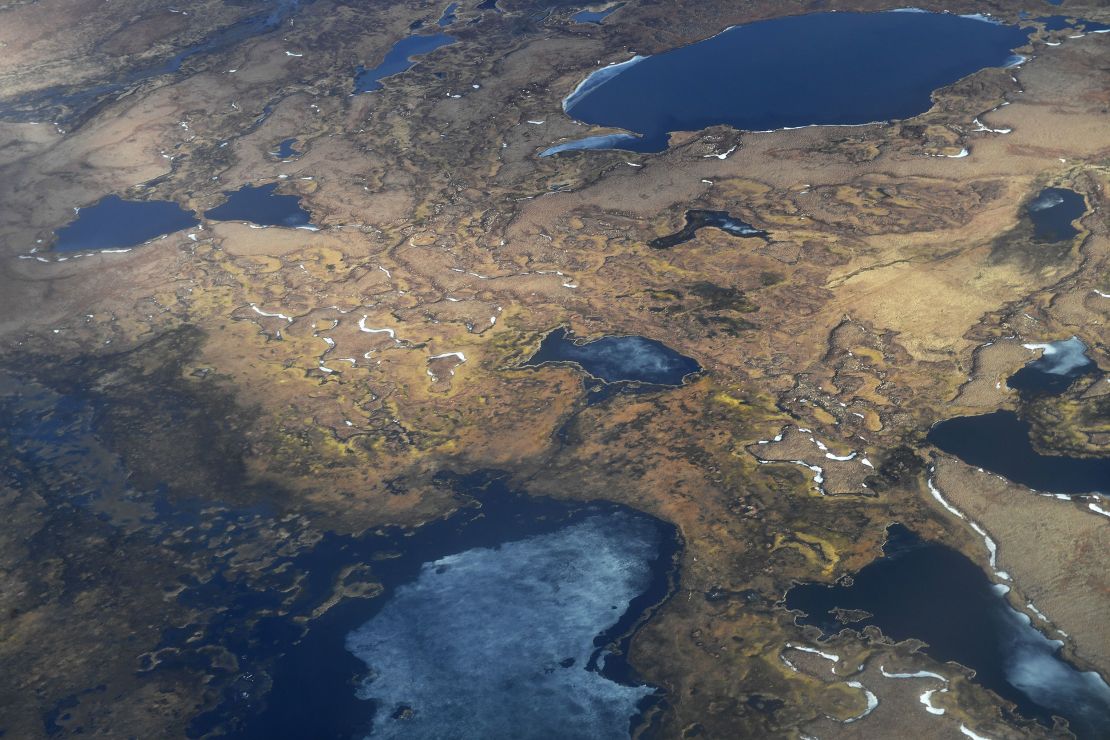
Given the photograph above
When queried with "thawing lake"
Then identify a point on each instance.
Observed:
(115, 223)
(933, 593)
(617, 360)
(260, 205)
(1059, 365)
(495, 622)
(815, 69)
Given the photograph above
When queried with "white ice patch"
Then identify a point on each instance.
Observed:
(461, 357)
(915, 674)
(1061, 357)
(1045, 201)
(980, 126)
(992, 548)
(872, 702)
(496, 642)
(814, 651)
(1098, 509)
(260, 312)
(723, 155)
(590, 143)
(369, 330)
(597, 78)
(926, 698)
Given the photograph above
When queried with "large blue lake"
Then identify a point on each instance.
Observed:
(816, 69)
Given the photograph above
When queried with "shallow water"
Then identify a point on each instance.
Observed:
(595, 16)
(262, 206)
(115, 223)
(400, 58)
(1053, 212)
(933, 593)
(698, 219)
(286, 149)
(617, 359)
(1052, 373)
(999, 442)
(448, 16)
(820, 68)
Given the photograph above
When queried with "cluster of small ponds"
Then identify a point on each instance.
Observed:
(1000, 443)
(512, 616)
(508, 618)
(514, 597)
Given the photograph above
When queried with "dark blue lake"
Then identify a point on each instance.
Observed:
(115, 223)
(999, 442)
(400, 58)
(262, 206)
(930, 592)
(1054, 212)
(1059, 365)
(821, 68)
(626, 359)
(595, 16)
(698, 219)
